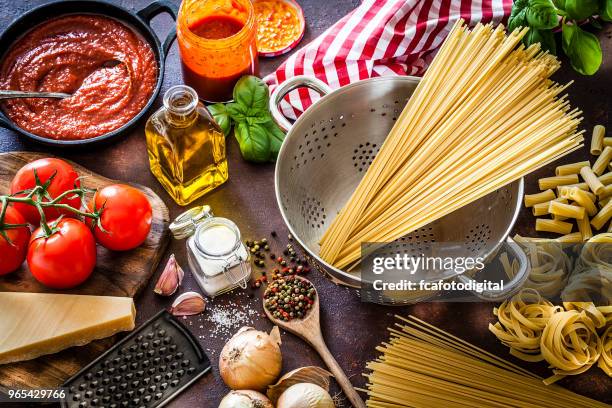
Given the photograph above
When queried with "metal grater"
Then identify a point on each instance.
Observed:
(146, 369)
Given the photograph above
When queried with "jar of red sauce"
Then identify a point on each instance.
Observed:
(218, 44)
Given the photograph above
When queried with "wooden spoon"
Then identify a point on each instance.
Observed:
(309, 329)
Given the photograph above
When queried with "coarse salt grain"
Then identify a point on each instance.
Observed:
(227, 318)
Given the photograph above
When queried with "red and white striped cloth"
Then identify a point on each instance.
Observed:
(380, 37)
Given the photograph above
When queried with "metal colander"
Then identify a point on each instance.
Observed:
(325, 155)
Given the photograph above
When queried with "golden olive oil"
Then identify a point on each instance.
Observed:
(186, 147)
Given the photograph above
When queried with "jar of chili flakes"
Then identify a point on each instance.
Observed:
(280, 26)
(218, 45)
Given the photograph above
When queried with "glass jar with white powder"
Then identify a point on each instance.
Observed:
(217, 257)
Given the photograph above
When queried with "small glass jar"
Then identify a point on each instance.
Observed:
(218, 259)
(218, 44)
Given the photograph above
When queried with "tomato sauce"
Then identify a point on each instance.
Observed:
(217, 44)
(108, 68)
(216, 27)
(214, 88)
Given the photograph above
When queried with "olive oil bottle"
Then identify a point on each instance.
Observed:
(186, 147)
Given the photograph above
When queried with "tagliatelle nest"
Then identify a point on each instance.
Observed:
(570, 344)
(521, 323)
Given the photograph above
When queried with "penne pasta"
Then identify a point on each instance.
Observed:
(601, 164)
(597, 140)
(566, 210)
(582, 186)
(604, 201)
(606, 192)
(563, 192)
(606, 178)
(552, 182)
(572, 168)
(584, 226)
(584, 199)
(607, 141)
(542, 208)
(537, 198)
(556, 226)
(591, 179)
(603, 216)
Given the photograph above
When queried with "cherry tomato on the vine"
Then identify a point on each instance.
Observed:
(126, 217)
(65, 179)
(13, 252)
(66, 258)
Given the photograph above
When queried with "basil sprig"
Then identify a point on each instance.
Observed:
(542, 16)
(258, 136)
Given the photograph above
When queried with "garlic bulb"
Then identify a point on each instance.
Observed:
(245, 399)
(251, 360)
(305, 395)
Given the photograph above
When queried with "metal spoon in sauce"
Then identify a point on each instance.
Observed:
(9, 94)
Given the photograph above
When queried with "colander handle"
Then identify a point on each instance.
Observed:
(515, 283)
(289, 85)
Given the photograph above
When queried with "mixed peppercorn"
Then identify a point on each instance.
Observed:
(282, 273)
(289, 298)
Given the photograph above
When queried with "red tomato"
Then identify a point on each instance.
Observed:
(65, 179)
(126, 217)
(13, 254)
(66, 258)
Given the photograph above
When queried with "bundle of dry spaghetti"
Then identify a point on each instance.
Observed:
(484, 115)
(424, 366)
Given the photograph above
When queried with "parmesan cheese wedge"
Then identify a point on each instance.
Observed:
(35, 324)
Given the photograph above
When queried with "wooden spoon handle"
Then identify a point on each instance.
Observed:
(338, 373)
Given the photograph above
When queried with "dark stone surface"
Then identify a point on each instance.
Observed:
(352, 329)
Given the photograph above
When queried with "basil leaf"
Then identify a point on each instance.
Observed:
(546, 38)
(582, 48)
(276, 138)
(541, 14)
(253, 141)
(605, 10)
(222, 117)
(581, 9)
(518, 6)
(251, 92)
(560, 4)
(237, 111)
(255, 115)
(518, 15)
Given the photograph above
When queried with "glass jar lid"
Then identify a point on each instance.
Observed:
(185, 224)
(217, 237)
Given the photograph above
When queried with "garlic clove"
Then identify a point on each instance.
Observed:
(188, 303)
(170, 279)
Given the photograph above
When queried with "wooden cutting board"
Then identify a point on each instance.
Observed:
(116, 274)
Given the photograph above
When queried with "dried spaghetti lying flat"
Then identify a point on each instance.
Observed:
(484, 115)
(423, 366)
